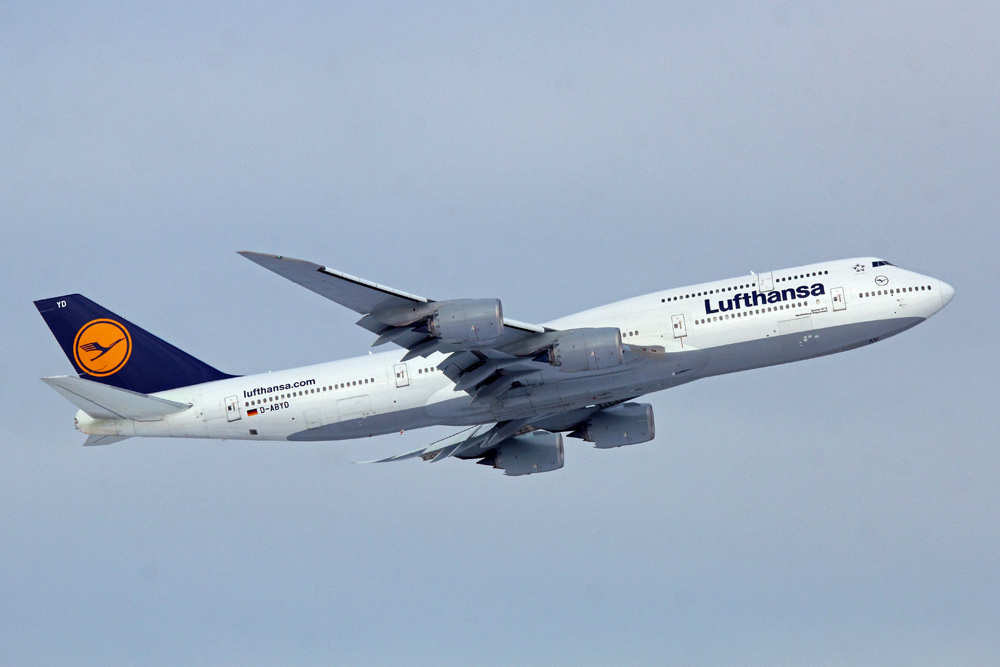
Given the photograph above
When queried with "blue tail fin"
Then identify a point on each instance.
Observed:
(109, 349)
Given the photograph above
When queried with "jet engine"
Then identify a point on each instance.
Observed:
(467, 320)
(538, 451)
(586, 350)
(619, 425)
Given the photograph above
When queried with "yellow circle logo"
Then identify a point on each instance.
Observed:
(102, 347)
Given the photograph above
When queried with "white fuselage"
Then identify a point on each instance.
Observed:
(672, 337)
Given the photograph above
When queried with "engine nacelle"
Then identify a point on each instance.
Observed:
(619, 425)
(467, 320)
(587, 350)
(538, 451)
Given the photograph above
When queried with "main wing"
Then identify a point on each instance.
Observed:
(361, 296)
(485, 358)
(393, 315)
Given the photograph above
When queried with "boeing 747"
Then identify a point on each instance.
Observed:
(514, 387)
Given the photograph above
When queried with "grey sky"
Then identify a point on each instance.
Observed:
(837, 511)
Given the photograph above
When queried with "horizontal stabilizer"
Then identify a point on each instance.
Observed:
(102, 401)
(104, 440)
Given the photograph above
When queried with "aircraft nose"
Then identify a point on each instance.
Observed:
(947, 293)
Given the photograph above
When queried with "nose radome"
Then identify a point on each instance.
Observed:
(947, 293)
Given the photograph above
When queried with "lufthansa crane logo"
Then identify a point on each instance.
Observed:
(102, 347)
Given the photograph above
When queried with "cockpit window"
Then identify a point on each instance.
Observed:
(882, 262)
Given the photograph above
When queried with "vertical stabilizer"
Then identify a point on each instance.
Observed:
(109, 349)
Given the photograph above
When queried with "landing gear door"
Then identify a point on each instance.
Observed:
(678, 326)
(765, 283)
(233, 408)
(402, 379)
(837, 293)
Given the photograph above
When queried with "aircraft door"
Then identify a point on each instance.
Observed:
(313, 418)
(838, 298)
(402, 379)
(356, 407)
(765, 283)
(680, 329)
(233, 408)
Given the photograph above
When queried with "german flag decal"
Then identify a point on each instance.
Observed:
(252, 412)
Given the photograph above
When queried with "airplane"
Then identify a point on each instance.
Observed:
(515, 387)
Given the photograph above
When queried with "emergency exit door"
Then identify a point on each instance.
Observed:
(402, 379)
(680, 329)
(838, 298)
(233, 408)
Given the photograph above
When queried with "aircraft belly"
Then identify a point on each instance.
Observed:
(801, 342)
(189, 427)
(373, 424)
(393, 422)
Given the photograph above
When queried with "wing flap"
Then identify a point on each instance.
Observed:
(96, 440)
(433, 450)
(398, 457)
(471, 443)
